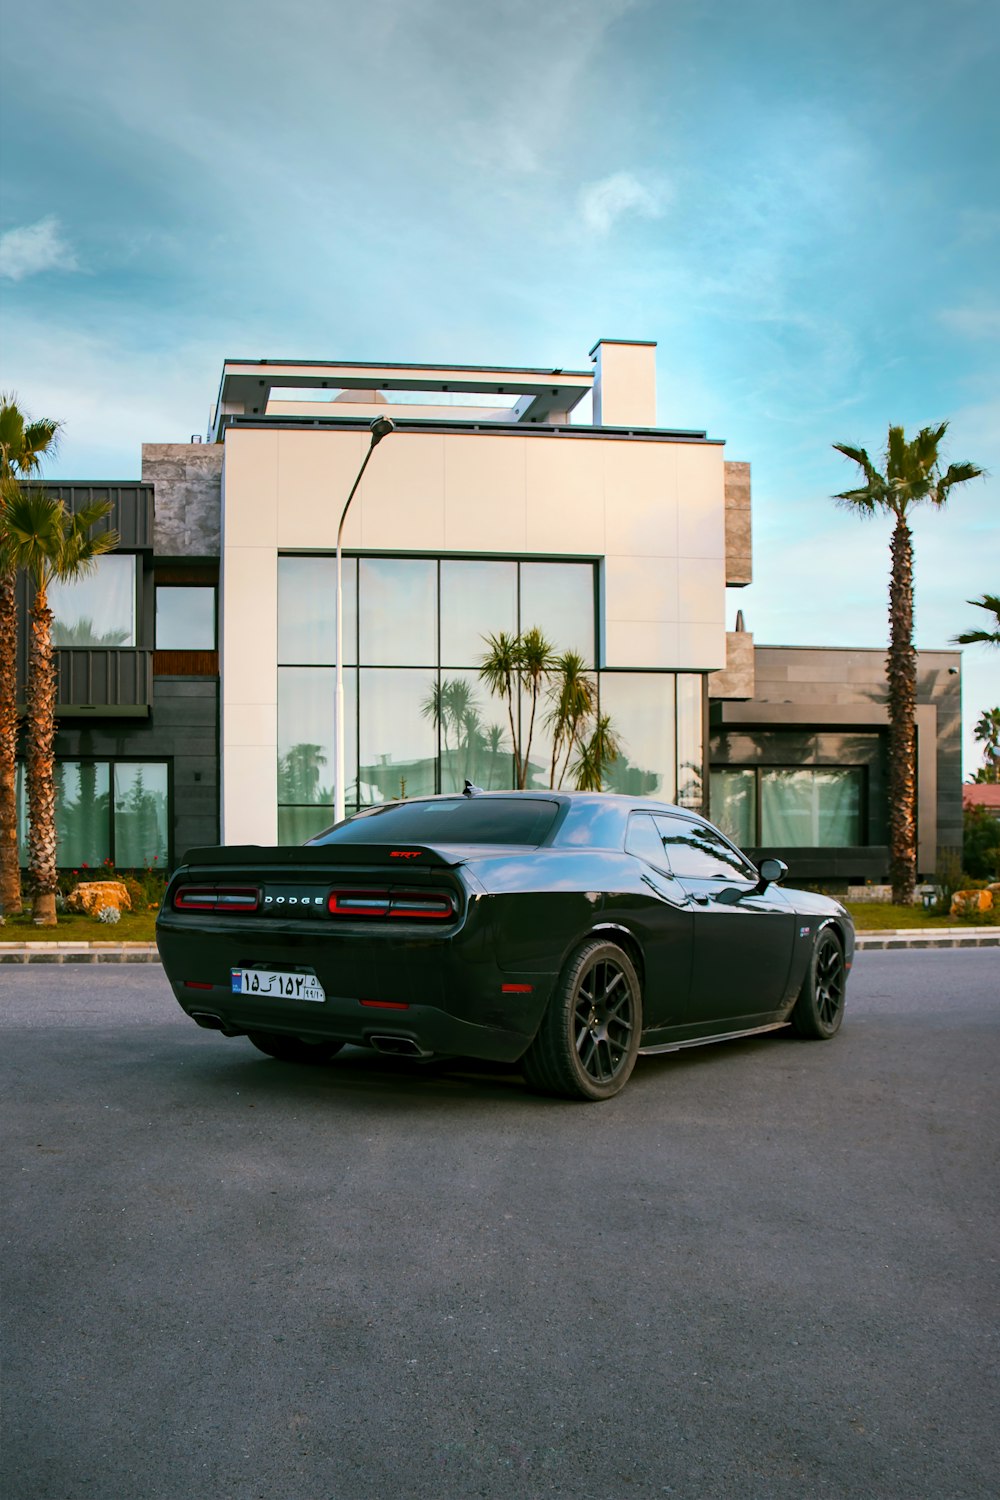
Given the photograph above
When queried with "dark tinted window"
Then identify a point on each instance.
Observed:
(698, 852)
(646, 842)
(466, 820)
(593, 825)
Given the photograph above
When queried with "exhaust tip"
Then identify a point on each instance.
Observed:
(397, 1046)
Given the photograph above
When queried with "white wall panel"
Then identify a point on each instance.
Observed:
(701, 500)
(641, 643)
(249, 794)
(640, 487)
(250, 489)
(565, 496)
(485, 494)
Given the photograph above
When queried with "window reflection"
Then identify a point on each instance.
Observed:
(306, 734)
(477, 599)
(131, 827)
(297, 824)
(734, 804)
(140, 814)
(697, 852)
(559, 599)
(811, 808)
(398, 598)
(185, 618)
(398, 741)
(641, 706)
(307, 610)
(83, 835)
(473, 733)
(690, 740)
(99, 608)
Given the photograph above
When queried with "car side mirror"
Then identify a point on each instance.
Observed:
(771, 872)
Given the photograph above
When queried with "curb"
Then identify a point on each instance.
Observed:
(931, 937)
(79, 953)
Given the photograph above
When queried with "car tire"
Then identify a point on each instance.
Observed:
(588, 1041)
(293, 1048)
(819, 1009)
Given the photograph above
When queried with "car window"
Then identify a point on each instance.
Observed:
(646, 842)
(699, 852)
(461, 820)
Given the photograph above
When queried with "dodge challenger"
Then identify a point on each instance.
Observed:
(565, 932)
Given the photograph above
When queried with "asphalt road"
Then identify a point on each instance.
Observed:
(769, 1268)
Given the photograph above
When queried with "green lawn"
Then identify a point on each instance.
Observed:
(133, 928)
(873, 916)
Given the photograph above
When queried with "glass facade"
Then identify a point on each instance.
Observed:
(117, 810)
(419, 718)
(98, 609)
(773, 807)
(185, 618)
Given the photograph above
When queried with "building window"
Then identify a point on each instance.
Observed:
(419, 719)
(98, 609)
(106, 810)
(806, 807)
(811, 807)
(185, 617)
(734, 805)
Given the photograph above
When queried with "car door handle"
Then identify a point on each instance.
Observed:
(701, 900)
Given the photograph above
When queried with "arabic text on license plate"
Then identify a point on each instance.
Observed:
(277, 983)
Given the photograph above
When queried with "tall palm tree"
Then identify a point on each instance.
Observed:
(23, 444)
(991, 604)
(912, 475)
(48, 542)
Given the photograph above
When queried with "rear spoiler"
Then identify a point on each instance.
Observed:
(254, 858)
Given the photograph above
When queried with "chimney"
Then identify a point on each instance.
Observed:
(624, 383)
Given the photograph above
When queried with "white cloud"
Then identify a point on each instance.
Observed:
(603, 203)
(33, 248)
(979, 321)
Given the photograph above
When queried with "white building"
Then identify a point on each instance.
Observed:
(499, 513)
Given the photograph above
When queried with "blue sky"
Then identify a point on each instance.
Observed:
(800, 203)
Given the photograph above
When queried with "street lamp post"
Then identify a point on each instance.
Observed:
(380, 428)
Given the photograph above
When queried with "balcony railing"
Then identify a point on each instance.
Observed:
(115, 680)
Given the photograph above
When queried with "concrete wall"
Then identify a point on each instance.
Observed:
(187, 481)
(652, 510)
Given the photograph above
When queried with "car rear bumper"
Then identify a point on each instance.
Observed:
(445, 996)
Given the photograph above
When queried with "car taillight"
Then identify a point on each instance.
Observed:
(422, 906)
(218, 898)
(406, 906)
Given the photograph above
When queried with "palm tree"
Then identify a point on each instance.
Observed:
(518, 664)
(48, 542)
(22, 447)
(991, 603)
(912, 475)
(987, 731)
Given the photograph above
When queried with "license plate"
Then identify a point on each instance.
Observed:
(277, 984)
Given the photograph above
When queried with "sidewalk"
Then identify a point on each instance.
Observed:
(146, 953)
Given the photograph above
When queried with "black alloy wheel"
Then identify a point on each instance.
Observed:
(819, 1009)
(293, 1048)
(588, 1041)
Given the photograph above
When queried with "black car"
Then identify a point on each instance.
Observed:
(568, 932)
